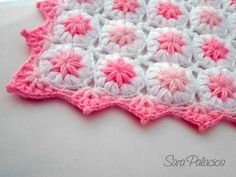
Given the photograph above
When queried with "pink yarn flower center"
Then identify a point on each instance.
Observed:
(221, 86)
(168, 10)
(119, 72)
(172, 79)
(77, 25)
(66, 63)
(210, 18)
(122, 35)
(214, 49)
(233, 2)
(171, 42)
(125, 5)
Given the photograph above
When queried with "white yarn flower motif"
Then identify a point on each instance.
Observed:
(122, 37)
(217, 88)
(232, 20)
(118, 75)
(66, 66)
(167, 13)
(208, 20)
(170, 84)
(88, 6)
(213, 3)
(210, 50)
(132, 10)
(76, 27)
(170, 45)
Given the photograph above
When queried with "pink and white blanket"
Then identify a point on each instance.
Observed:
(153, 58)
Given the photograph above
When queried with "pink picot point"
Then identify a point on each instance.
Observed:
(210, 18)
(119, 71)
(168, 10)
(77, 25)
(125, 5)
(48, 8)
(171, 42)
(122, 35)
(221, 86)
(172, 79)
(214, 49)
(35, 38)
(67, 63)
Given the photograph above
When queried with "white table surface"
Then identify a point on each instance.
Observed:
(51, 138)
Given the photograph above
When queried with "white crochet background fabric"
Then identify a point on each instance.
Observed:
(153, 58)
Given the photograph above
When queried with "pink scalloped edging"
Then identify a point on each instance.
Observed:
(89, 99)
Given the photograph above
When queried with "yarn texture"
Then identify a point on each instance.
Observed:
(153, 58)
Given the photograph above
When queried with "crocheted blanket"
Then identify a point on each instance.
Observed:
(154, 58)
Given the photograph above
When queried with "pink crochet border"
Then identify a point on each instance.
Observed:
(89, 100)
